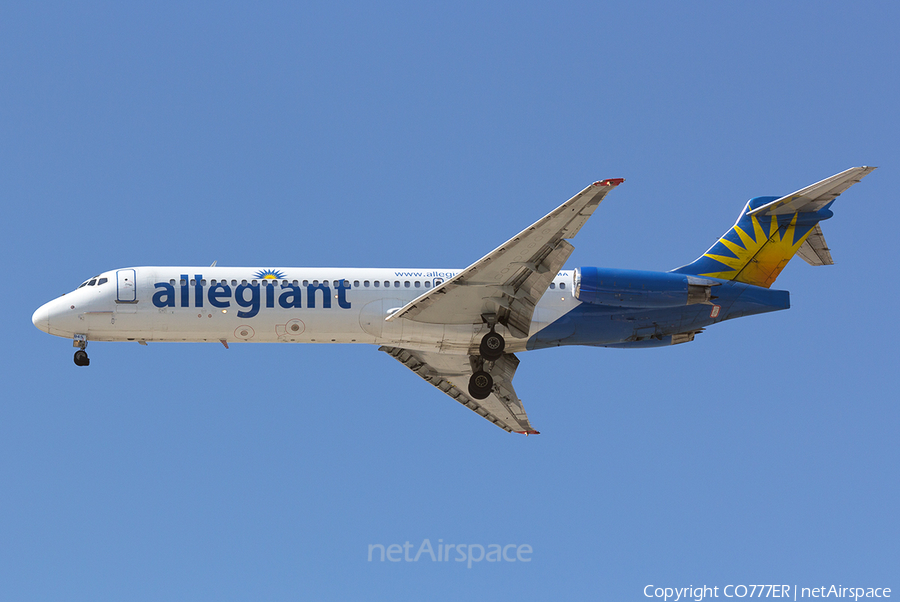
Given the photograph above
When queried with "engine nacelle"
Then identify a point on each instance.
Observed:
(639, 289)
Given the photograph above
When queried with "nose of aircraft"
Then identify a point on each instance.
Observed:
(41, 318)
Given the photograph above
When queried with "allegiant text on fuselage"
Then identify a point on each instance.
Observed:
(247, 295)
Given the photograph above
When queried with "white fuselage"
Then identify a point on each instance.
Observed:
(292, 305)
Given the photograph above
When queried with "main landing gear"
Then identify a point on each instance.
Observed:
(492, 346)
(81, 356)
(481, 383)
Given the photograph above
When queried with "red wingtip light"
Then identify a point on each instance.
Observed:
(610, 182)
(526, 433)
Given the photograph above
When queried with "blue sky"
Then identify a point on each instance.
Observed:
(409, 135)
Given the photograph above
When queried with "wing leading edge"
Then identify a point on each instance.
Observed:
(510, 280)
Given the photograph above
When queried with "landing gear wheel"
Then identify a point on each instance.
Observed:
(492, 346)
(480, 385)
(81, 358)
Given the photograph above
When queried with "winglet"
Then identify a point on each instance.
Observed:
(613, 182)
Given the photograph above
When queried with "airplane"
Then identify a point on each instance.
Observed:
(460, 330)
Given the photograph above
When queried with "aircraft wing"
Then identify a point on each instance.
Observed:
(816, 196)
(450, 373)
(511, 279)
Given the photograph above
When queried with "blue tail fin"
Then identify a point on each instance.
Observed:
(771, 230)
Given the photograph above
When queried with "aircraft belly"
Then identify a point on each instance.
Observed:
(449, 338)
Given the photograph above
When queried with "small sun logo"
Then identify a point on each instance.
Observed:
(269, 274)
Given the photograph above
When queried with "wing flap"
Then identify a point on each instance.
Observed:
(450, 373)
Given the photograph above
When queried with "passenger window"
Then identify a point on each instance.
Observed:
(427, 284)
(387, 284)
(418, 284)
(306, 283)
(366, 283)
(193, 282)
(183, 282)
(244, 282)
(172, 282)
(396, 284)
(552, 285)
(234, 283)
(377, 284)
(203, 282)
(406, 284)
(562, 285)
(356, 283)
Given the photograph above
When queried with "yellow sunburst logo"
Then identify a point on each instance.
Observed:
(269, 274)
(760, 257)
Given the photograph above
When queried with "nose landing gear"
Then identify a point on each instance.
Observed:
(81, 357)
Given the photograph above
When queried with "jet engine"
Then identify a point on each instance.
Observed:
(639, 289)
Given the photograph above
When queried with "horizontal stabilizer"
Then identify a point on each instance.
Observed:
(816, 196)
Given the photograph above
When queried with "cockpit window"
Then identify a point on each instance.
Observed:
(102, 281)
(92, 282)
